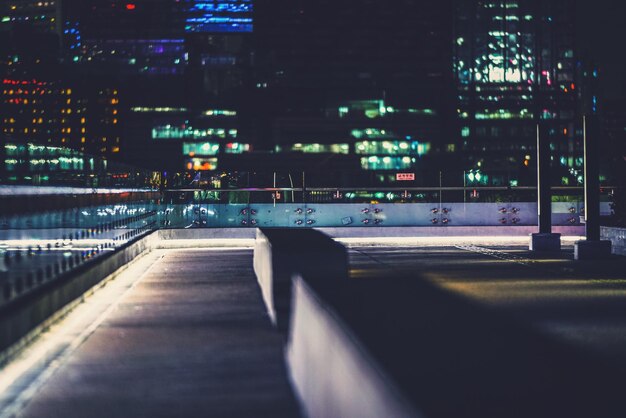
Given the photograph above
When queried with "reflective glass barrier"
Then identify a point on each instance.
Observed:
(366, 207)
(37, 248)
(43, 244)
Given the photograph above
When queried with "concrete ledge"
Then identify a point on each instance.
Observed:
(398, 346)
(545, 242)
(373, 232)
(279, 253)
(447, 231)
(20, 317)
(332, 373)
(206, 243)
(207, 233)
(592, 250)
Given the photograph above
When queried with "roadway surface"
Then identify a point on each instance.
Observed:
(190, 336)
(582, 303)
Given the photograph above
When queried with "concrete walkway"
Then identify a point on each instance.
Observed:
(190, 339)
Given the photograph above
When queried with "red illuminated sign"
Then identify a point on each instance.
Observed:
(131, 6)
(405, 176)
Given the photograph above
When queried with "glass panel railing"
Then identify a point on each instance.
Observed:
(41, 247)
(54, 222)
(61, 209)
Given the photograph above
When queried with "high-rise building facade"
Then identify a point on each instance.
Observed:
(515, 67)
(30, 33)
(82, 117)
(39, 16)
(364, 80)
(162, 54)
(614, 148)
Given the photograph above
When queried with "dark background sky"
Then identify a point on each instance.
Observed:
(602, 36)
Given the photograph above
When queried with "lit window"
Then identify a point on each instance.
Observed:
(315, 148)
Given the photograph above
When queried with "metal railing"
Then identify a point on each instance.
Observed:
(45, 236)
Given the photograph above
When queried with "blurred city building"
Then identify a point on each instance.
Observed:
(516, 66)
(355, 89)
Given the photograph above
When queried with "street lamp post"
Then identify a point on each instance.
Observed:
(592, 247)
(544, 240)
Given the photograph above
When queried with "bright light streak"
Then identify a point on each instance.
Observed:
(22, 244)
(217, 243)
(444, 241)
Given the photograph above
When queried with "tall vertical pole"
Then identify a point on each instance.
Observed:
(592, 248)
(303, 188)
(592, 179)
(544, 240)
(544, 195)
(440, 192)
(464, 190)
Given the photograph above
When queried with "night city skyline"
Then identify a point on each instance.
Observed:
(221, 84)
(312, 208)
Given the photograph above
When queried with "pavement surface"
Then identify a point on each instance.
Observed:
(191, 338)
(581, 303)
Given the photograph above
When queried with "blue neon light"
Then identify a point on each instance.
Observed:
(220, 16)
(222, 7)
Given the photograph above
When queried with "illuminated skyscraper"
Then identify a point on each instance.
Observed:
(42, 16)
(515, 67)
(84, 118)
(30, 32)
(128, 37)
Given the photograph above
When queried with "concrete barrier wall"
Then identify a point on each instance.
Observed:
(397, 346)
(332, 373)
(21, 316)
(206, 237)
(177, 238)
(450, 231)
(617, 236)
(279, 253)
(207, 233)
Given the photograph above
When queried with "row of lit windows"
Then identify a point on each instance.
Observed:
(387, 163)
(212, 148)
(373, 162)
(39, 121)
(158, 109)
(373, 109)
(32, 4)
(392, 147)
(202, 164)
(176, 132)
(6, 19)
(315, 148)
(55, 164)
(35, 150)
(34, 92)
